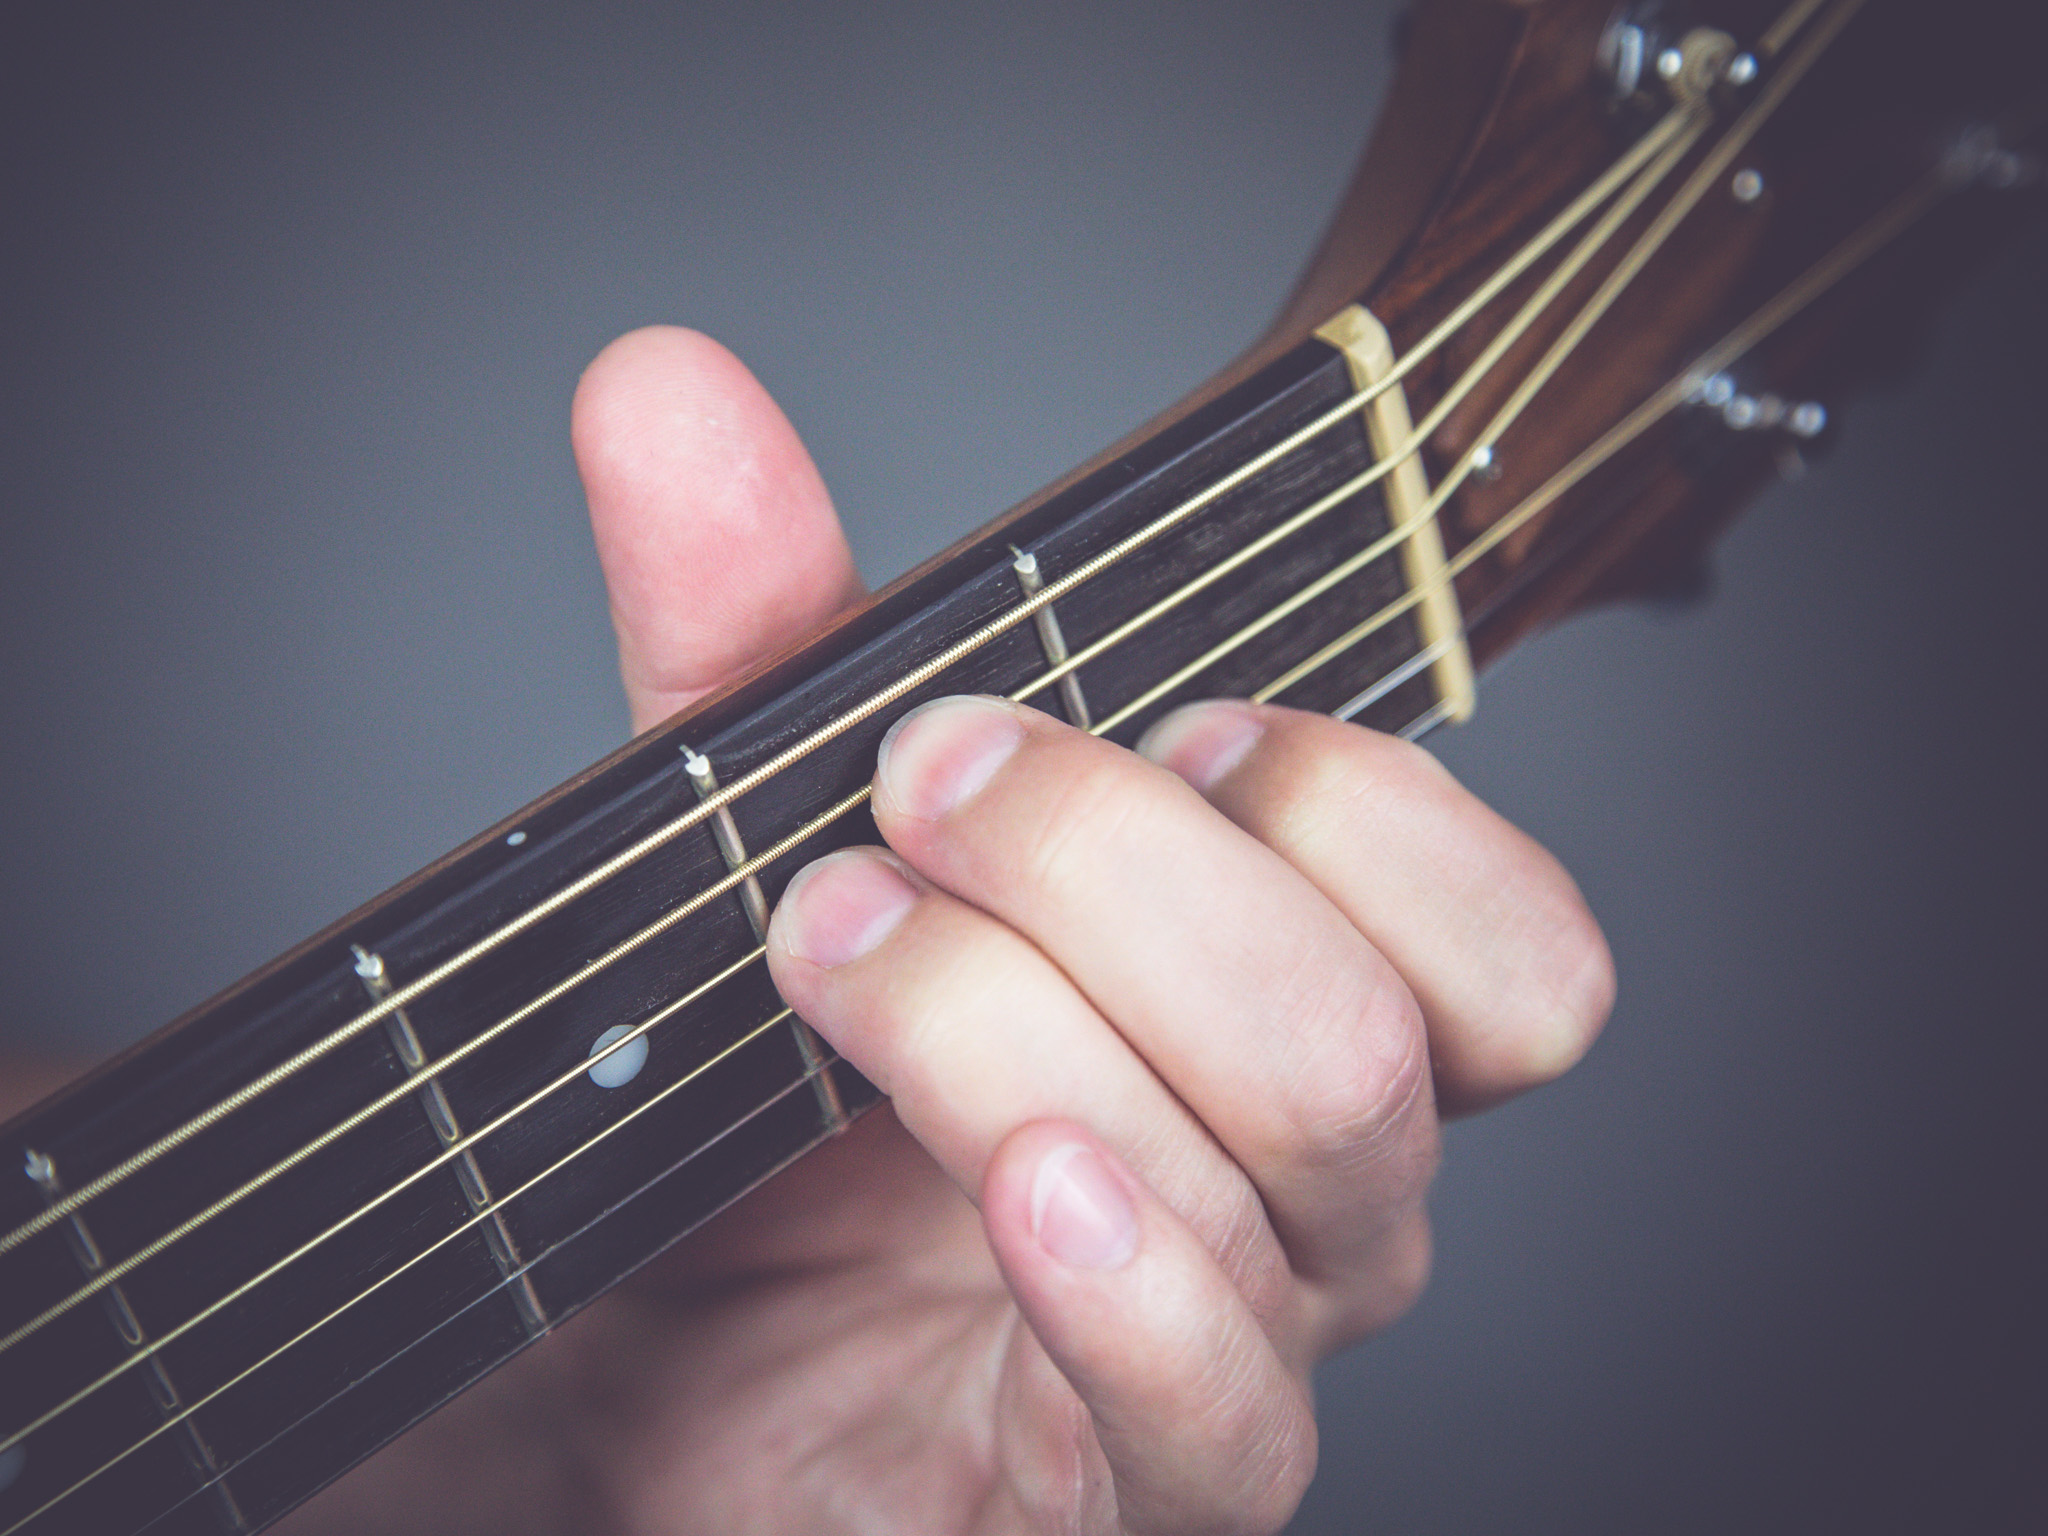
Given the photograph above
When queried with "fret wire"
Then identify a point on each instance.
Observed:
(1589, 246)
(495, 1206)
(1888, 225)
(1573, 334)
(1531, 311)
(1562, 224)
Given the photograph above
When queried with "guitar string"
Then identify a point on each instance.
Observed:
(114, 1273)
(1494, 431)
(1578, 329)
(1818, 279)
(1705, 176)
(490, 1209)
(1532, 309)
(1786, 27)
(1850, 254)
(495, 1206)
(1674, 122)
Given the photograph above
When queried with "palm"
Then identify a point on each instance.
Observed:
(1199, 1169)
(837, 1352)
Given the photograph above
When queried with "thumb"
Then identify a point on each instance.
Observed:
(718, 542)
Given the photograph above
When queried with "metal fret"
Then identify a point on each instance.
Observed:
(1051, 640)
(637, 944)
(199, 1456)
(733, 849)
(476, 1190)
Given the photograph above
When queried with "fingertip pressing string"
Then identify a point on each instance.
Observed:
(1674, 136)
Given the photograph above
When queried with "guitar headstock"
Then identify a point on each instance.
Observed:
(1792, 184)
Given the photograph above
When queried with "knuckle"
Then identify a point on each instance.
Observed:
(1354, 1090)
(1089, 804)
(1268, 1440)
(1332, 778)
(1246, 1249)
(1393, 1283)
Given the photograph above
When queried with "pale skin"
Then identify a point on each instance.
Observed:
(1167, 1037)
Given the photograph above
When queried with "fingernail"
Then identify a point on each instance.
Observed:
(940, 753)
(1203, 742)
(1080, 1212)
(841, 907)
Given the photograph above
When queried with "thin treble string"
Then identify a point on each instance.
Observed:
(1594, 241)
(1879, 232)
(1590, 244)
(1831, 269)
(489, 1210)
(1568, 219)
(1679, 144)
(453, 1150)
(1692, 124)
(1786, 27)
(1706, 175)
(1823, 275)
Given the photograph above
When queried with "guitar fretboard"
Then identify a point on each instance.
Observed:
(248, 1312)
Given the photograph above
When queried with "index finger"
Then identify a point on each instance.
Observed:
(718, 542)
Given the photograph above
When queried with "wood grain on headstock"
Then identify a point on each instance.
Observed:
(1522, 118)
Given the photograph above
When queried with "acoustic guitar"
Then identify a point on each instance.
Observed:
(1595, 273)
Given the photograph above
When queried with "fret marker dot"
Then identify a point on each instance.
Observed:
(514, 839)
(12, 1460)
(624, 1064)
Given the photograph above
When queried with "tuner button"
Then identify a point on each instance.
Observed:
(1809, 418)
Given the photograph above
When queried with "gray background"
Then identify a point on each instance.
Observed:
(295, 591)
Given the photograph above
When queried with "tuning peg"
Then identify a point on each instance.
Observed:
(1741, 411)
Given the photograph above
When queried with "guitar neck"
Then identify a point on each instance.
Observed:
(312, 1210)
(264, 1242)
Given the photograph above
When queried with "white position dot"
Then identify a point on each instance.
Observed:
(624, 1064)
(514, 839)
(12, 1460)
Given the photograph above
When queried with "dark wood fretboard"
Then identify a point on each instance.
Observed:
(379, 1227)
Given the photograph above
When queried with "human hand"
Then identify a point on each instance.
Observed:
(1166, 1043)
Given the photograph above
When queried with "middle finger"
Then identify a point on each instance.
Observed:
(1243, 987)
